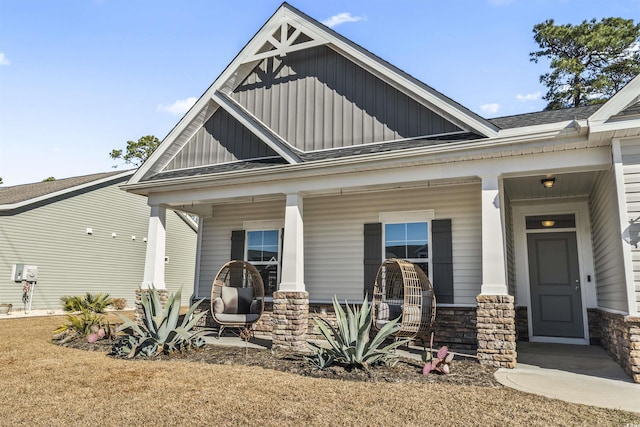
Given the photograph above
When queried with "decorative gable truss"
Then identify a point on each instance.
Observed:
(298, 87)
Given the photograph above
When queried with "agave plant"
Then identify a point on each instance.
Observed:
(349, 343)
(159, 331)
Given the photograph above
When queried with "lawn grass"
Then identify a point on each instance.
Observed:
(43, 384)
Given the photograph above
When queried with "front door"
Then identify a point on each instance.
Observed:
(554, 277)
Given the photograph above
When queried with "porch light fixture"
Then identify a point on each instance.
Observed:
(548, 182)
(548, 223)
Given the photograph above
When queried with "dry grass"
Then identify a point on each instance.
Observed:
(43, 384)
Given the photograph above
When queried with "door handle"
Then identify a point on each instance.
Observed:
(577, 287)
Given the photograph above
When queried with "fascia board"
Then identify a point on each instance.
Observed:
(548, 127)
(618, 102)
(614, 125)
(45, 197)
(449, 152)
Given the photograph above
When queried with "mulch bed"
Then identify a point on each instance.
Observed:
(466, 372)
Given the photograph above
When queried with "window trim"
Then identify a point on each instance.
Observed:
(404, 217)
(266, 225)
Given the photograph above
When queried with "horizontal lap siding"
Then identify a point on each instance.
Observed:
(334, 237)
(605, 235)
(71, 262)
(631, 168)
(333, 233)
(216, 238)
(510, 251)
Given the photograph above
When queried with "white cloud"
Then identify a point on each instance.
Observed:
(3, 59)
(529, 96)
(490, 108)
(341, 18)
(179, 107)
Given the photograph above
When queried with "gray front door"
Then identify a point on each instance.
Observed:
(554, 277)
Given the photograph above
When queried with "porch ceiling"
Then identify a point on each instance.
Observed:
(566, 185)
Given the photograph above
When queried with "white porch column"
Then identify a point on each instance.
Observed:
(292, 276)
(156, 238)
(493, 256)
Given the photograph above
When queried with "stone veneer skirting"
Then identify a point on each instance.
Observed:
(619, 334)
(454, 326)
(496, 328)
(138, 314)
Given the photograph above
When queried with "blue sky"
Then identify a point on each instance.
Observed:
(79, 78)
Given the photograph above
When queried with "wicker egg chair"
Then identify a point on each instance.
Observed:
(402, 290)
(237, 296)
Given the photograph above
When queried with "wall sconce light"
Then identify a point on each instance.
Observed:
(548, 182)
(548, 223)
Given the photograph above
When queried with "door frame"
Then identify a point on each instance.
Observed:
(580, 209)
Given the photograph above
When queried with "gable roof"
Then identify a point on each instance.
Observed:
(21, 195)
(289, 31)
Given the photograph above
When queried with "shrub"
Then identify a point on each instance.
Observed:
(84, 323)
(349, 343)
(94, 303)
(159, 331)
(441, 363)
(119, 303)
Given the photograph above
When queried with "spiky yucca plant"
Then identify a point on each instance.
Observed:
(96, 303)
(349, 343)
(159, 331)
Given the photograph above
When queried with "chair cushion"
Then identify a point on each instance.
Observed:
(383, 311)
(256, 307)
(230, 299)
(237, 300)
(245, 296)
(218, 305)
(236, 318)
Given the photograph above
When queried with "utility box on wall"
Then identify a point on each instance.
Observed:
(24, 273)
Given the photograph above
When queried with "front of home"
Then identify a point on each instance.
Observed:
(314, 159)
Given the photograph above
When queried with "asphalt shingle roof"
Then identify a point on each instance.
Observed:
(24, 192)
(545, 117)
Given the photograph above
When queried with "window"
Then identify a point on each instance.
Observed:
(263, 251)
(409, 241)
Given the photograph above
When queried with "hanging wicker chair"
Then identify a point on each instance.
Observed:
(237, 295)
(402, 290)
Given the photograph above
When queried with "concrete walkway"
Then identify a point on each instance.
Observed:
(572, 373)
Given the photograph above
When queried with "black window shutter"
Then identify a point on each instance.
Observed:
(372, 255)
(442, 277)
(237, 244)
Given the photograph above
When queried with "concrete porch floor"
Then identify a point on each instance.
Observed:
(572, 373)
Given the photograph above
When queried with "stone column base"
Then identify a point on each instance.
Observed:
(496, 331)
(138, 314)
(620, 336)
(290, 320)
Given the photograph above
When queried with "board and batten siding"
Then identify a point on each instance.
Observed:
(222, 139)
(333, 236)
(605, 237)
(631, 169)
(317, 99)
(72, 262)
